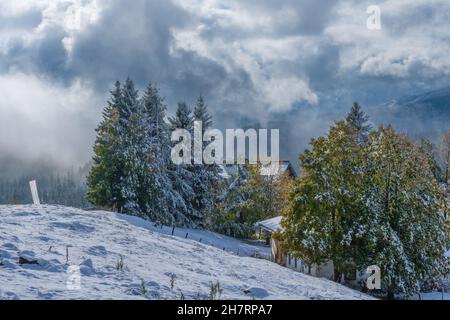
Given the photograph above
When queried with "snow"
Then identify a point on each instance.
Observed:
(99, 243)
(219, 241)
(432, 296)
(272, 225)
(273, 169)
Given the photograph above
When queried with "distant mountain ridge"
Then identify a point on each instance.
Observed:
(422, 115)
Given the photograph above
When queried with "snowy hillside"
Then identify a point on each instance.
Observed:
(154, 265)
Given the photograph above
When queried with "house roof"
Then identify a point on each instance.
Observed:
(273, 169)
(270, 225)
(278, 169)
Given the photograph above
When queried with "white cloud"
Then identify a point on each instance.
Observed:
(414, 39)
(255, 53)
(39, 118)
(249, 58)
(69, 16)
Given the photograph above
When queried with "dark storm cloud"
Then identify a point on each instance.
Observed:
(46, 56)
(137, 43)
(293, 65)
(134, 41)
(311, 16)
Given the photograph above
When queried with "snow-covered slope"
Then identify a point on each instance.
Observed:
(96, 241)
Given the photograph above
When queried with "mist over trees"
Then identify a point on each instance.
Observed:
(54, 187)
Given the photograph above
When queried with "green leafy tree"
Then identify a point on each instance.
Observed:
(407, 208)
(266, 196)
(320, 220)
(373, 204)
(104, 181)
(250, 197)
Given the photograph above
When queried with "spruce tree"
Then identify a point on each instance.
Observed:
(230, 216)
(183, 118)
(104, 181)
(428, 149)
(201, 114)
(154, 157)
(133, 140)
(182, 176)
(358, 119)
(206, 181)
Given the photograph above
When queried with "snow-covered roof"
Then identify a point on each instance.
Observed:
(276, 169)
(271, 225)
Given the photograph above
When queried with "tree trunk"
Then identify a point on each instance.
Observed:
(390, 294)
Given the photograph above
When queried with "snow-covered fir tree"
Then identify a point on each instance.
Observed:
(135, 151)
(182, 175)
(229, 218)
(132, 158)
(206, 178)
(201, 114)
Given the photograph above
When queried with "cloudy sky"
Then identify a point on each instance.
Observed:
(295, 64)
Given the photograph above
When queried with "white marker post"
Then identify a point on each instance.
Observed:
(34, 192)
